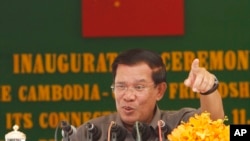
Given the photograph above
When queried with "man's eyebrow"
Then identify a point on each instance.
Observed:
(141, 80)
(136, 81)
(120, 82)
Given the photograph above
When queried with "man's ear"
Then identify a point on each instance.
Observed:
(161, 87)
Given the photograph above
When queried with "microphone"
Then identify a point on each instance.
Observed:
(118, 133)
(93, 132)
(142, 130)
(165, 129)
(68, 131)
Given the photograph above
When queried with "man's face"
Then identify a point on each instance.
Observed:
(135, 93)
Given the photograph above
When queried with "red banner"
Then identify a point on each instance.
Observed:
(116, 18)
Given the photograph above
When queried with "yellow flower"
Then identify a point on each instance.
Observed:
(201, 128)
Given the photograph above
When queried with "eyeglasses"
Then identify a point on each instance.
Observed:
(120, 87)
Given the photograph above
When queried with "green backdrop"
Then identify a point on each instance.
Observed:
(36, 97)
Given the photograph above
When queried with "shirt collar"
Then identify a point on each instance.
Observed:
(156, 118)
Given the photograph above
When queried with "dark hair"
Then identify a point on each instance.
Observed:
(135, 56)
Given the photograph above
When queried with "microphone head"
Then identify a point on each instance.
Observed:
(65, 126)
(118, 132)
(93, 132)
(68, 131)
(165, 129)
(71, 133)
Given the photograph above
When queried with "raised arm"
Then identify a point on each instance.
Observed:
(205, 83)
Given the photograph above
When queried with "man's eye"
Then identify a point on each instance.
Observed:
(121, 87)
(139, 87)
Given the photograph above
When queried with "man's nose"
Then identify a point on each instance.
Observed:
(129, 93)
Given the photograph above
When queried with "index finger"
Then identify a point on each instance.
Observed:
(195, 65)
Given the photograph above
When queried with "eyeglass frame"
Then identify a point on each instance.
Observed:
(135, 87)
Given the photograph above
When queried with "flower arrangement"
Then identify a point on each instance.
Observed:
(201, 128)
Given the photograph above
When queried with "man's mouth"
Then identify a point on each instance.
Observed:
(128, 109)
